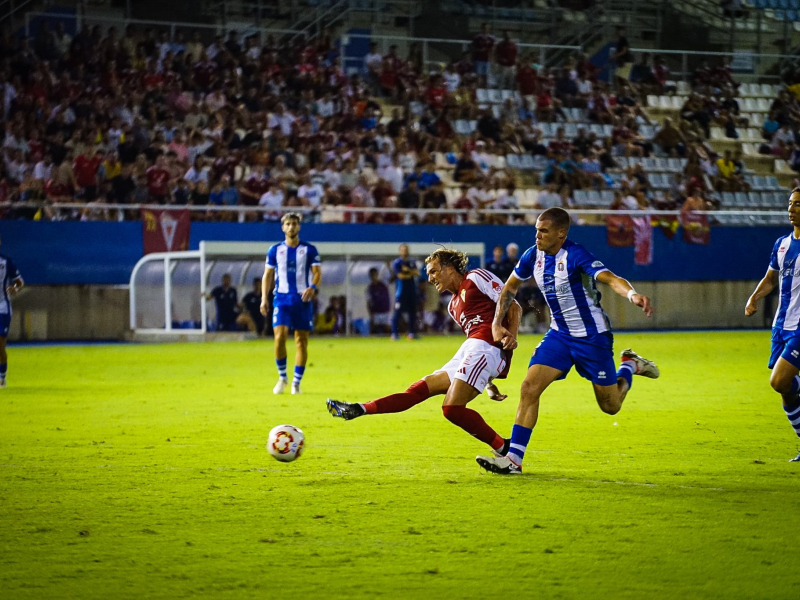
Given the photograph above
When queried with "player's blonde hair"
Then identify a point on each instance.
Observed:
(450, 256)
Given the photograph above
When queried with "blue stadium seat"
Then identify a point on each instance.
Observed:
(791, 15)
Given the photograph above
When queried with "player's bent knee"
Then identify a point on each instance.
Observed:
(780, 384)
(451, 412)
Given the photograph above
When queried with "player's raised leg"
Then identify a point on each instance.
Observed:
(300, 358)
(610, 397)
(281, 332)
(786, 382)
(433, 385)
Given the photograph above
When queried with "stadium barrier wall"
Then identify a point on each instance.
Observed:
(97, 312)
(77, 273)
(104, 253)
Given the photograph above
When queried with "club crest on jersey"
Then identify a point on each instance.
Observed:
(561, 266)
(463, 295)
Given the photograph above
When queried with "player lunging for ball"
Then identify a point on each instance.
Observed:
(784, 272)
(580, 332)
(477, 362)
(294, 267)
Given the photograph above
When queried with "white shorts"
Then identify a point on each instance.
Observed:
(381, 319)
(476, 363)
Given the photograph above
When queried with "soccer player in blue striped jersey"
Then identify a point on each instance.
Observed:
(784, 272)
(294, 267)
(11, 282)
(579, 335)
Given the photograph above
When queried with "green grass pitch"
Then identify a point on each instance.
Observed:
(139, 471)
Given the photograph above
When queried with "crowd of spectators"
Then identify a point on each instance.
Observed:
(139, 118)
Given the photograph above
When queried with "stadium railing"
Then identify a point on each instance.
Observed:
(352, 212)
(173, 26)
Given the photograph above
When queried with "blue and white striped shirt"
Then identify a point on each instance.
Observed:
(292, 268)
(567, 280)
(8, 273)
(784, 260)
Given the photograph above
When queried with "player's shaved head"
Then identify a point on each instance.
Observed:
(449, 257)
(557, 216)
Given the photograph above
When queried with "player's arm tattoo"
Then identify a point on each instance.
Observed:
(506, 298)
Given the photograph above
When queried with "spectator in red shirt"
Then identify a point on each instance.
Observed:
(482, 45)
(505, 54)
(158, 181)
(526, 77)
(85, 170)
(436, 93)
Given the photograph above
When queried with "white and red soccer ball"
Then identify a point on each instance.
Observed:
(285, 443)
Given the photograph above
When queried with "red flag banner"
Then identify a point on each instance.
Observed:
(620, 231)
(165, 230)
(695, 228)
(643, 241)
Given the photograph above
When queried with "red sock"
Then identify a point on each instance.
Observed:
(395, 403)
(473, 423)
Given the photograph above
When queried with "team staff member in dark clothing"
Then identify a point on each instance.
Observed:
(405, 272)
(227, 301)
(502, 267)
(251, 304)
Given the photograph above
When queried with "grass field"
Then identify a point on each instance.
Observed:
(140, 472)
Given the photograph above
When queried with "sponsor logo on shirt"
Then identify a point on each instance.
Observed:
(597, 264)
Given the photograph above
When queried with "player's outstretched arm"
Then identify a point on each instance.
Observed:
(625, 289)
(764, 287)
(267, 281)
(504, 304)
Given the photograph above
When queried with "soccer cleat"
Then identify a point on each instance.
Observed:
(345, 410)
(3, 383)
(644, 367)
(500, 465)
(795, 459)
(280, 386)
(504, 450)
(295, 389)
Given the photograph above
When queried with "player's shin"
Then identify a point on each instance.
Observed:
(520, 437)
(791, 405)
(394, 403)
(472, 422)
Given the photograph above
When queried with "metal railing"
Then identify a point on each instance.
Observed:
(331, 213)
(460, 46)
(173, 26)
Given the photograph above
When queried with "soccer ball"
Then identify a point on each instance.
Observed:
(285, 443)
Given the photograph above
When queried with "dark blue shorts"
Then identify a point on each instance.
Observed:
(298, 316)
(786, 345)
(5, 323)
(593, 355)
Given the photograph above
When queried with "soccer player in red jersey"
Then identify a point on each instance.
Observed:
(474, 366)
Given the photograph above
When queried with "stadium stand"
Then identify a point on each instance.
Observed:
(139, 118)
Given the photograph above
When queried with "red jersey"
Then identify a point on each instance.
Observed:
(85, 170)
(506, 53)
(481, 47)
(435, 96)
(474, 304)
(157, 180)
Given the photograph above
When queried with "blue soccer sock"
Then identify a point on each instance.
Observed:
(626, 371)
(281, 362)
(298, 374)
(520, 436)
(3, 370)
(795, 383)
(793, 414)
